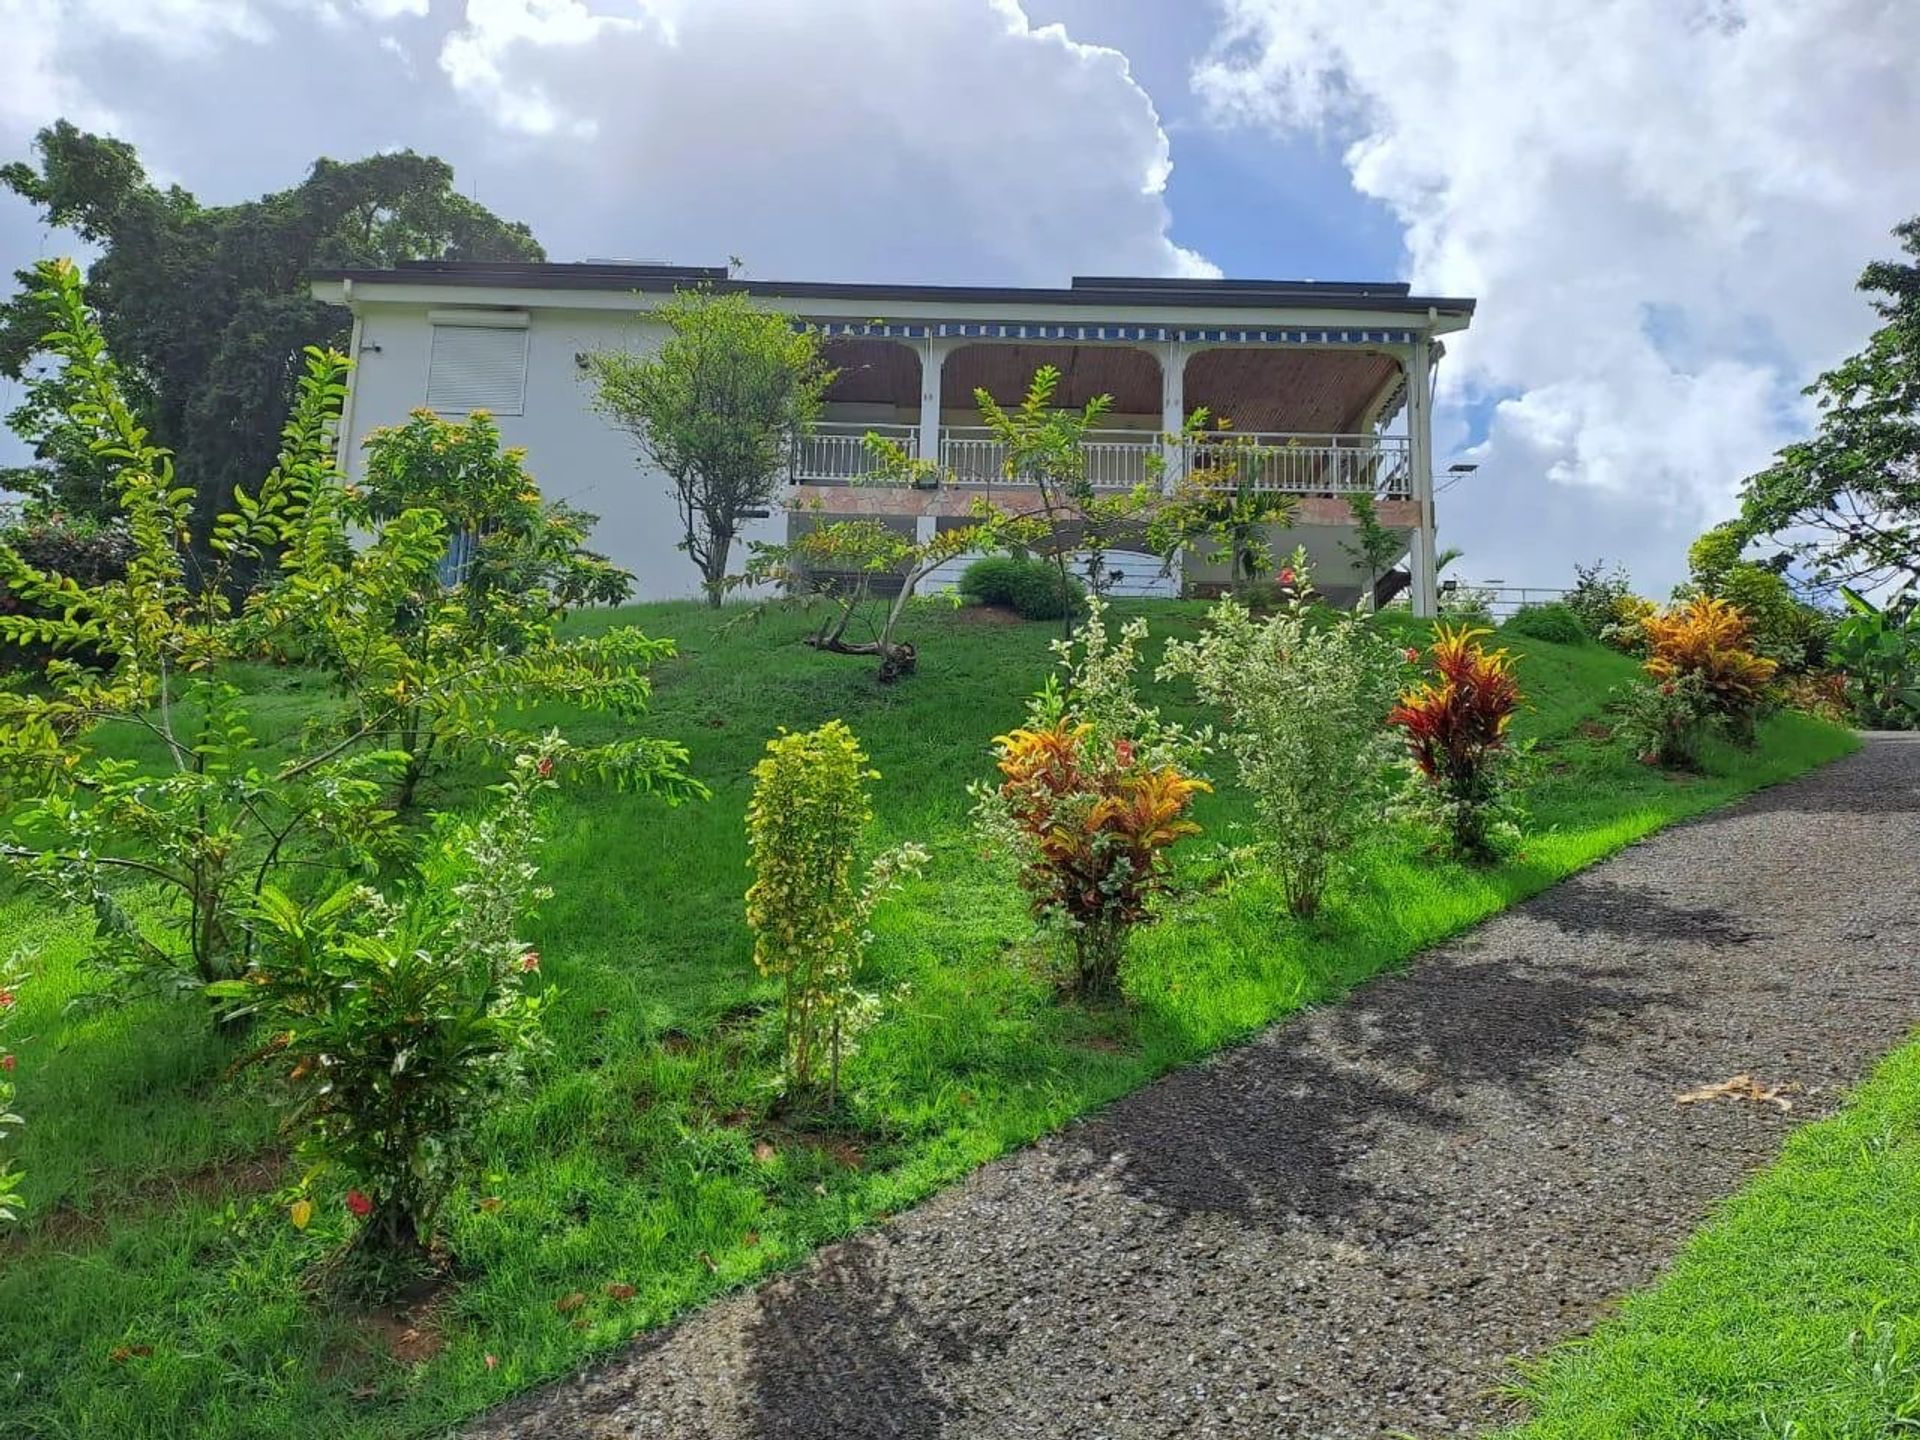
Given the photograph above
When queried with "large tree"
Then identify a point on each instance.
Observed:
(205, 307)
(1845, 503)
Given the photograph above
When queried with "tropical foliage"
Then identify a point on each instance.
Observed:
(1845, 503)
(1711, 639)
(1456, 725)
(1306, 698)
(806, 907)
(396, 1016)
(436, 670)
(1095, 791)
(1878, 649)
(718, 409)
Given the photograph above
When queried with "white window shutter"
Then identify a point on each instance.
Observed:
(477, 367)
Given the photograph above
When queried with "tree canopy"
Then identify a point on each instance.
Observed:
(205, 307)
(1845, 503)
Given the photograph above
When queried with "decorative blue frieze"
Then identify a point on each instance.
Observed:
(1058, 331)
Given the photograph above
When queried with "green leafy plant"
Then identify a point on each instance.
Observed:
(1600, 597)
(848, 567)
(1556, 623)
(1218, 504)
(1374, 547)
(1455, 723)
(1666, 722)
(12, 977)
(1029, 587)
(718, 408)
(226, 813)
(439, 671)
(1095, 791)
(806, 907)
(1306, 697)
(397, 1016)
(1877, 647)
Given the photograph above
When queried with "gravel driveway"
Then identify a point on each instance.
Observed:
(1349, 1226)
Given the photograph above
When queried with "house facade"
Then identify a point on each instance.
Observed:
(1332, 381)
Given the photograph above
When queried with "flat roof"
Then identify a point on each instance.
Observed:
(1083, 289)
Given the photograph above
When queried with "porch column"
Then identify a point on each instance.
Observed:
(1426, 588)
(933, 355)
(1173, 412)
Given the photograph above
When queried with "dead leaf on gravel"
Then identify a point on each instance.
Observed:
(1741, 1087)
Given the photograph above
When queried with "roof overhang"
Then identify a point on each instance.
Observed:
(1196, 311)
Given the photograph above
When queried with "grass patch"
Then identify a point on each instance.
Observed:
(154, 1290)
(1792, 1314)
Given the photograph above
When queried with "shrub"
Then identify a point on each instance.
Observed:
(12, 977)
(85, 550)
(1556, 623)
(1878, 648)
(436, 651)
(1597, 597)
(396, 1018)
(1709, 638)
(808, 915)
(1031, 588)
(221, 819)
(1456, 728)
(1666, 721)
(1095, 792)
(1307, 703)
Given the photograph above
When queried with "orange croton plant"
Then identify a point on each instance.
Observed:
(1096, 822)
(1712, 639)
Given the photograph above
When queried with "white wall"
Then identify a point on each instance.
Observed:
(572, 452)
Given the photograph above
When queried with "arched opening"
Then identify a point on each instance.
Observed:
(875, 390)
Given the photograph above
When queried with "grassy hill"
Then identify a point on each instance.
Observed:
(154, 1289)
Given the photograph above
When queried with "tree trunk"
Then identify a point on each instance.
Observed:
(714, 573)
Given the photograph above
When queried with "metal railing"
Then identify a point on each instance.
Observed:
(838, 450)
(1290, 464)
(1298, 464)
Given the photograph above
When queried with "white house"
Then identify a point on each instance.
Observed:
(1317, 372)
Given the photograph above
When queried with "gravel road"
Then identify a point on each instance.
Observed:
(1350, 1226)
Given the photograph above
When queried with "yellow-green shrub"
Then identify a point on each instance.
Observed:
(806, 909)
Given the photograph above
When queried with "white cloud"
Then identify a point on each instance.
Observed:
(1662, 206)
(944, 139)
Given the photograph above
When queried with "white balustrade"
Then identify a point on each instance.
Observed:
(838, 450)
(1272, 463)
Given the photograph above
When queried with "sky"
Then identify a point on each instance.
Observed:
(1661, 205)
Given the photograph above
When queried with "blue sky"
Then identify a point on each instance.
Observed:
(1661, 205)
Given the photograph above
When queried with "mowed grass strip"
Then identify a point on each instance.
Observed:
(1793, 1315)
(156, 1290)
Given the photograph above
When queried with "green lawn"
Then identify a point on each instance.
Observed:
(155, 1288)
(1793, 1314)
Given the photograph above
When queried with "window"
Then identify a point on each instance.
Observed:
(478, 362)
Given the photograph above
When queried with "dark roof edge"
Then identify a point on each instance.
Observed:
(1085, 290)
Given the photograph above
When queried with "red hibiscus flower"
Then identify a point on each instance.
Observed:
(545, 768)
(1123, 751)
(530, 961)
(6, 999)
(1286, 576)
(359, 1204)
(7, 1062)
(1413, 655)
